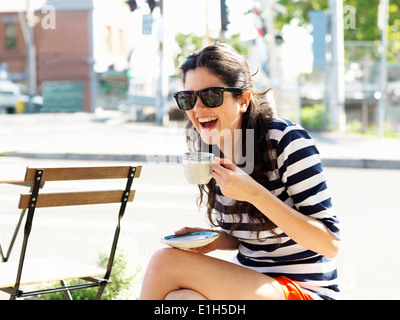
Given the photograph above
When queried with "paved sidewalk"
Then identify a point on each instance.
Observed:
(111, 136)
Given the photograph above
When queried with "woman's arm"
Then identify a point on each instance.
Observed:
(306, 231)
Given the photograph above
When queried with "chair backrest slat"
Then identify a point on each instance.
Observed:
(74, 198)
(81, 173)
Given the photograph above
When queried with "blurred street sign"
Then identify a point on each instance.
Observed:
(63, 96)
(319, 21)
(147, 23)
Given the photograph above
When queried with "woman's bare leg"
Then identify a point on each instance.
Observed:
(170, 270)
(184, 294)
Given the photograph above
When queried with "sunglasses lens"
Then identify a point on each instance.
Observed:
(212, 97)
(185, 100)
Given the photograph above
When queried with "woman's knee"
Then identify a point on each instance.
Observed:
(161, 260)
(164, 255)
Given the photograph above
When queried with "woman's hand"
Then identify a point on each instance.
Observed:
(223, 242)
(233, 181)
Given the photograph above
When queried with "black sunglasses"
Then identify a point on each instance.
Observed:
(212, 97)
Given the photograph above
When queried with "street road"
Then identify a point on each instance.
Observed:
(365, 200)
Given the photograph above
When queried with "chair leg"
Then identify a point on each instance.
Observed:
(66, 292)
(2, 254)
(17, 227)
(100, 292)
(5, 257)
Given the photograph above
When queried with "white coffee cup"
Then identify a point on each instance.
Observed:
(197, 167)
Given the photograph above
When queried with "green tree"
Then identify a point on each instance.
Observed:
(297, 11)
(188, 43)
(366, 20)
(394, 29)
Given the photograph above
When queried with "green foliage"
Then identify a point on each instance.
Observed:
(394, 31)
(235, 42)
(312, 117)
(188, 43)
(125, 277)
(356, 127)
(366, 20)
(298, 11)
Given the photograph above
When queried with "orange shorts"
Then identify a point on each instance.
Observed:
(292, 290)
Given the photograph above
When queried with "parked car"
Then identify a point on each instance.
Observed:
(9, 93)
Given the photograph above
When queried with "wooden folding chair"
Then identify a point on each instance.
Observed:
(13, 275)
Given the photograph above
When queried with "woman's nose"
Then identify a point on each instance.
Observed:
(199, 104)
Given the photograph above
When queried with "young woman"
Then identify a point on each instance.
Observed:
(278, 216)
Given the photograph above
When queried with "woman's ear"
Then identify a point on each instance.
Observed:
(245, 101)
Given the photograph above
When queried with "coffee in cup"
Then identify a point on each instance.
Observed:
(197, 167)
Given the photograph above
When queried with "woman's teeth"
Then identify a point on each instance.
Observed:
(208, 119)
(207, 122)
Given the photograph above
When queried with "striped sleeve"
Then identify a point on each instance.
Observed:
(302, 178)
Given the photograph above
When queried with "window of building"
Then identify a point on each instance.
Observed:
(108, 40)
(121, 35)
(10, 24)
(11, 36)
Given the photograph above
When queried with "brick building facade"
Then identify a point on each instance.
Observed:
(76, 41)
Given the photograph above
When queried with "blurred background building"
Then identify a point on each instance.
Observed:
(80, 51)
(324, 58)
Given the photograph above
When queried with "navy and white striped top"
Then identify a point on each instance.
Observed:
(300, 182)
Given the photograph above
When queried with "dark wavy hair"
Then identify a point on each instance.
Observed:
(232, 69)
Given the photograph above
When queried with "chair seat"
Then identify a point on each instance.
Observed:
(46, 270)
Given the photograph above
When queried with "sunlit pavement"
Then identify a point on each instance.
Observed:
(111, 136)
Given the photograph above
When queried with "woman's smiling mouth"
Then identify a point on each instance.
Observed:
(207, 122)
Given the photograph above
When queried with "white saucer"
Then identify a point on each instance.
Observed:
(190, 240)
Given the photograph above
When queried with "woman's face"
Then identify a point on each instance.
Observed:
(213, 124)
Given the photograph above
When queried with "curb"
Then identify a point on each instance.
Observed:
(361, 163)
(79, 156)
(173, 159)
